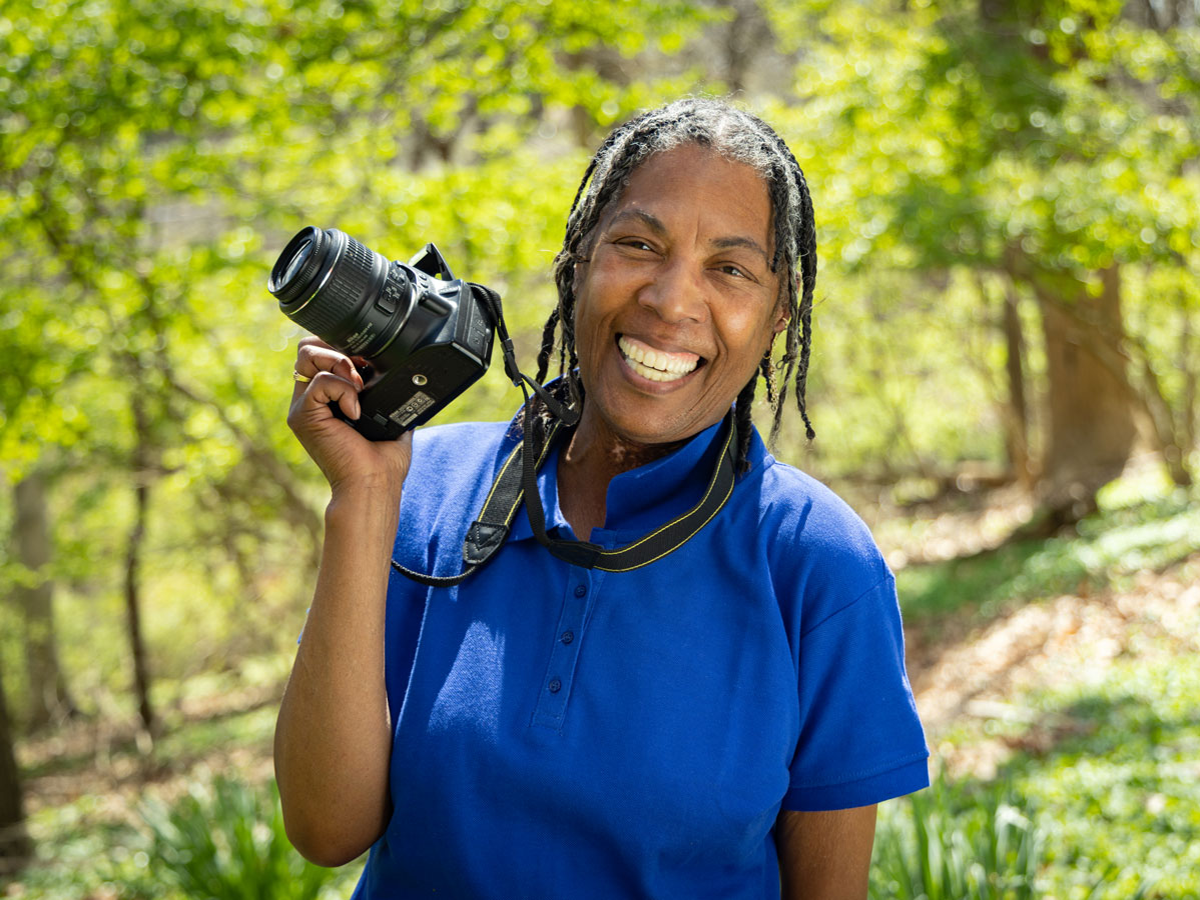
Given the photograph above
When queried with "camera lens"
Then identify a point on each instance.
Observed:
(298, 260)
(333, 286)
(292, 276)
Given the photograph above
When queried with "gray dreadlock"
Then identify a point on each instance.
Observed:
(735, 135)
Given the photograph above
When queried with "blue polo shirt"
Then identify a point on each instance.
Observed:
(564, 732)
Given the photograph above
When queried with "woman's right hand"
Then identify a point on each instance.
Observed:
(347, 459)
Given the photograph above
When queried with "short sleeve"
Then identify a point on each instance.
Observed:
(861, 740)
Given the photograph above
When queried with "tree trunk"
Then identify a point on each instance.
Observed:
(49, 700)
(1188, 426)
(747, 36)
(133, 564)
(15, 847)
(1090, 424)
(1016, 418)
(1172, 444)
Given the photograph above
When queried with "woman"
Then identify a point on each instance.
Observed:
(719, 722)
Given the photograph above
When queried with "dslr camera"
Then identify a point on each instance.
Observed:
(425, 336)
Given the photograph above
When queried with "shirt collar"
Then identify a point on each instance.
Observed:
(641, 499)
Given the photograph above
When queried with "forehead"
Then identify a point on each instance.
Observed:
(694, 178)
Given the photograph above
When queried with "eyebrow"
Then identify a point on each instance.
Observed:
(655, 224)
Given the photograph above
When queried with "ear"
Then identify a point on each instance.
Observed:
(782, 315)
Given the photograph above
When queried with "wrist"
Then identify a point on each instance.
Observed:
(364, 503)
(366, 489)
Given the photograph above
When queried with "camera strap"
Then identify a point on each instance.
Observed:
(517, 481)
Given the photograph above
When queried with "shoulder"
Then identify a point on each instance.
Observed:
(459, 446)
(452, 469)
(818, 549)
(802, 511)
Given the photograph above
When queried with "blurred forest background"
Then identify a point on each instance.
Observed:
(1004, 384)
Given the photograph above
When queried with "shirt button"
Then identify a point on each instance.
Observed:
(580, 590)
(555, 685)
(568, 636)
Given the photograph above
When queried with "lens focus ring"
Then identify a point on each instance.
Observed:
(341, 291)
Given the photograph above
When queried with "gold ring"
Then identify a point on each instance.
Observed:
(303, 379)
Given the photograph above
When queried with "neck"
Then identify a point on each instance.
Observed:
(595, 456)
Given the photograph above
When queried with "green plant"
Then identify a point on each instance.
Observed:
(957, 844)
(224, 840)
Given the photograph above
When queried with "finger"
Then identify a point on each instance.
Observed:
(329, 388)
(312, 341)
(315, 357)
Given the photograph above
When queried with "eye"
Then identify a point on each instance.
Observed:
(634, 243)
(738, 272)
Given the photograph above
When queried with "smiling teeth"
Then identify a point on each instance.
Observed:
(656, 365)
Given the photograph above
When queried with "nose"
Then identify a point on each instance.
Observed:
(675, 292)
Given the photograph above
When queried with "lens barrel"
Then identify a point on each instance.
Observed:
(330, 284)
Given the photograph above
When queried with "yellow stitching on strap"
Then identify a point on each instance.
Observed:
(712, 484)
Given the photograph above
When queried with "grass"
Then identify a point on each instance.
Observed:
(225, 840)
(957, 842)
(1104, 804)
(221, 839)
(1120, 793)
(164, 827)
(1106, 762)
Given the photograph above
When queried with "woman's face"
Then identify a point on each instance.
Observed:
(677, 304)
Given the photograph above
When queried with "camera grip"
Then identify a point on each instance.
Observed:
(372, 427)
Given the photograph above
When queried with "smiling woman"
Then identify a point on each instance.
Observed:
(717, 719)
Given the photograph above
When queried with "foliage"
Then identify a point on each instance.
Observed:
(1065, 128)
(898, 368)
(83, 852)
(1050, 144)
(955, 843)
(1119, 787)
(1101, 760)
(226, 841)
(1107, 758)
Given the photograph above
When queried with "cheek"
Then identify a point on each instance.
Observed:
(588, 332)
(596, 300)
(751, 336)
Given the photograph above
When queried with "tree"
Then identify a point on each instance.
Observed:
(15, 847)
(1048, 143)
(49, 700)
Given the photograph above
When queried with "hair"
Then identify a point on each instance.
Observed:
(735, 135)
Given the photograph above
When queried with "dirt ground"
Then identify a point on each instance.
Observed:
(963, 671)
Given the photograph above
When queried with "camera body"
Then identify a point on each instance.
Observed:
(424, 335)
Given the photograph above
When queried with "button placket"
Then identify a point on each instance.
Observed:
(555, 691)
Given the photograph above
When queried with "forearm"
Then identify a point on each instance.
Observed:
(825, 855)
(333, 735)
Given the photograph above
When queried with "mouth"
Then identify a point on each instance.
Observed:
(656, 365)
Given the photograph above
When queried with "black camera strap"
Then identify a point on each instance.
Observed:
(650, 547)
(517, 481)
